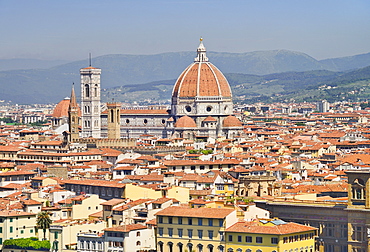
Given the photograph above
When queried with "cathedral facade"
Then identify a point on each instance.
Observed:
(201, 108)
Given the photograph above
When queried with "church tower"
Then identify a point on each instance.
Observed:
(73, 116)
(90, 102)
(114, 125)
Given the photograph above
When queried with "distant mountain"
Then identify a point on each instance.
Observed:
(15, 64)
(347, 63)
(307, 86)
(127, 71)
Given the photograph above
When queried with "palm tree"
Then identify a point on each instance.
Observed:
(43, 222)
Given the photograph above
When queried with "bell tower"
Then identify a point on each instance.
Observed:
(73, 116)
(114, 115)
(90, 102)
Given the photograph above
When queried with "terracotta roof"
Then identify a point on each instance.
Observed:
(215, 213)
(201, 79)
(94, 182)
(210, 119)
(112, 202)
(185, 122)
(61, 109)
(6, 213)
(257, 227)
(126, 228)
(231, 121)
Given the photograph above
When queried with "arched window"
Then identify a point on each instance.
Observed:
(170, 246)
(138, 243)
(112, 116)
(160, 245)
(210, 248)
(87, 90)
(138, 233)
(180, 245)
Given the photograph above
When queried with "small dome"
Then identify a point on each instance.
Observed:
(210, 119)
(232, 121)
(185, 122)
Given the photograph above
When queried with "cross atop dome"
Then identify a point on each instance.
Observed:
(201, 51)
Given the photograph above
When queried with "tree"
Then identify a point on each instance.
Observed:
(43, 222)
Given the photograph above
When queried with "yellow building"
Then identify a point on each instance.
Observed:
(181, 229)
(271, 235)
(16, 224)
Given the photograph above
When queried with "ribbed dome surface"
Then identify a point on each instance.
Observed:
(232, 121)
(61, 109)
(201, 79)
(185, 122)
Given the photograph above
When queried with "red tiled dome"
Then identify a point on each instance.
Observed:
(201, 78)
(61, 109)
(210, 119)
(185, 122)
(232, 121)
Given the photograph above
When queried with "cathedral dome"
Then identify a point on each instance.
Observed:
(232, 121)
(61, 109)
(201, 79)
(185, 122)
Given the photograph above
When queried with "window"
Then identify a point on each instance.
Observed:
(220, 187)
(248, 239)
(138, 233)
(160, 219)
(55, 235)
(170, 232)
(1, 230)
(343, 230)
(210, 222)
(220, 223)
(239, 238)
(258, 239)
(230, 238)
(200, 221)
(222, 236)
(11, 229)
(190, 221)
(210, 234)
(190, 233)
(359, 233)
(160, 231)
(200, 234)
(179, 232)
(179, 220)
(274, 240)
(11, 219)
(138, 243)
(169, 220)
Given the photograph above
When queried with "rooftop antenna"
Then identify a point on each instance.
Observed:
(90, 59)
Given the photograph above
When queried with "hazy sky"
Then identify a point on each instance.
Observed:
(70, 29)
